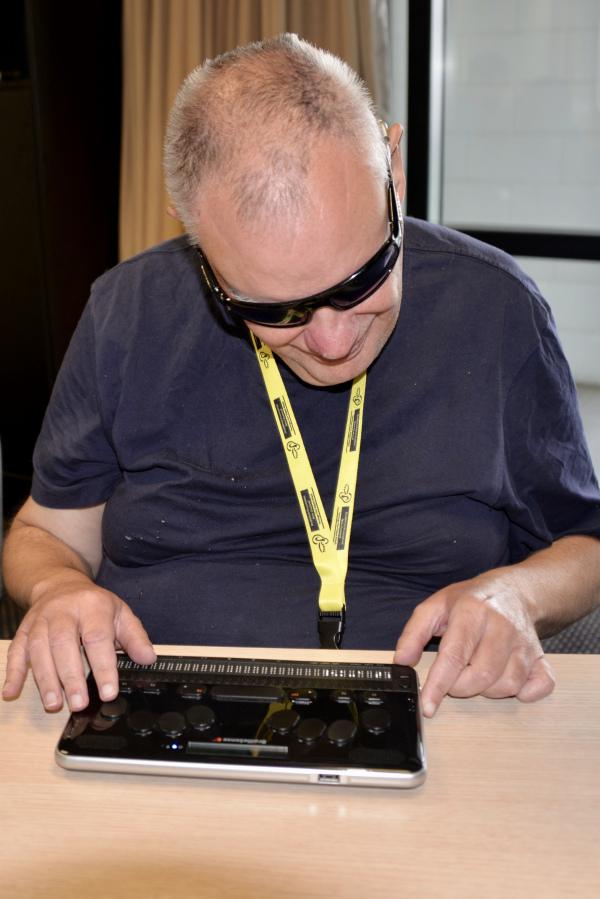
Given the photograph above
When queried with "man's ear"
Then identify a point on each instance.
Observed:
(395, 136)
(173, 213)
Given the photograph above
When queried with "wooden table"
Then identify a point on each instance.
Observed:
(510, 808)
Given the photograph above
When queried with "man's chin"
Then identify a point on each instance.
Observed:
(321, 373)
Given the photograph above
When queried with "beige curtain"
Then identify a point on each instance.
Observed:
(163, 40)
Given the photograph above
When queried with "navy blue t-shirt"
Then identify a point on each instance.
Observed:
(473, 453)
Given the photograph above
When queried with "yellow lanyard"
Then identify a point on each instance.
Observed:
(329, 545)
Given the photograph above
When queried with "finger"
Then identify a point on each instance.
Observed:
(55, 650)
(475, 681)
(16, 665)
(540, 683)
(497, 667)
(442, 676)
(455, 652)
(522, 675)
(98, 639)
(43, 665)
(101, 632)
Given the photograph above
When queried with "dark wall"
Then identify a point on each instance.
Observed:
(60, 112)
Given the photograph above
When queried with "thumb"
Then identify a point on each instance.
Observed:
(132, 637)
(423, 624)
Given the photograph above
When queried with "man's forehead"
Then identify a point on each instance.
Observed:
(281, 190)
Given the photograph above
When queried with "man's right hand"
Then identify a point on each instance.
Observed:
(51, 557)
(69, 611)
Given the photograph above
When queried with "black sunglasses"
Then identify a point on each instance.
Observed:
(345, 295)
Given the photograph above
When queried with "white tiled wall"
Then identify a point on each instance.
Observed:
(522, 114)
(573, 290)
(522, 142)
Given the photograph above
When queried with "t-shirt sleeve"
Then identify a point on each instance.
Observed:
(549, 487)
(75, 464)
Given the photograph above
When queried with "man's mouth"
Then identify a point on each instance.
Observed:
(341, 360)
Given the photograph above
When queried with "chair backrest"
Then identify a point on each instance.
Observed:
(582, 636)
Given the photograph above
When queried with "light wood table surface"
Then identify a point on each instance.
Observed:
(510, 808)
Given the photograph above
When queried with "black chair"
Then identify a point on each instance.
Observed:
(1, 519)
(10, 615)
(583, 636)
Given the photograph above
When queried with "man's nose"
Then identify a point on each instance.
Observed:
(331, 333)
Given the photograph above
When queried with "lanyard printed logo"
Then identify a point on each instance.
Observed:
(329, 546)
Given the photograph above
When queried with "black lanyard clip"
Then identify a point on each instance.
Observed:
(331, 629)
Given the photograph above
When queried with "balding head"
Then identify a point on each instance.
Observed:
(253, 120)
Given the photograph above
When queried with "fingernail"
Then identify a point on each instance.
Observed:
(107, 692)
(5, 687)
(76, 702)
(429, 709)
(50, 699)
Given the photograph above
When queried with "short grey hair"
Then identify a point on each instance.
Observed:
(251, 117)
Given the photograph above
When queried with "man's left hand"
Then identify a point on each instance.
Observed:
(489, 643)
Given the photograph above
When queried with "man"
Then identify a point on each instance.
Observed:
(162, 490)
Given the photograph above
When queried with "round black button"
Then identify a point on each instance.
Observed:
(373, 697)
(172, 724)
(376, 721)
(201, 717)
(284, 721)
(342, 731)
(142, 722)
(311, 730)
(115, 709)
(343, 696)
(191, 691)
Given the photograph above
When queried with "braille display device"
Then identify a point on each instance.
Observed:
(254, 719)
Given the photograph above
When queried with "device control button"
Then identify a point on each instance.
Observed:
(303, 697)
(201, 717)
(153, 688)
(342, 731)
(142, 722)
(246, 693)
(373, 697)
(284, 721)
(343, 696)
(172, 724)
(126, 687)
(191, 691)
(376, 721)
(115, 709)
(310, 730)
